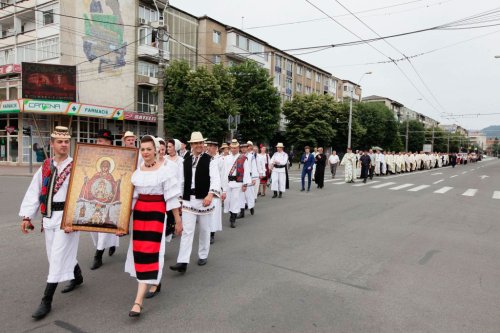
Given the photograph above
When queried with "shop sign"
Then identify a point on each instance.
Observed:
(9, 107)
(88, 110)
(10, 129)
(11, 68)
(41, 106)
(138, 116)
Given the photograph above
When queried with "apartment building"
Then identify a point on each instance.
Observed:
(345, 89)
(454, 128)
(479, 139)
(395, 106)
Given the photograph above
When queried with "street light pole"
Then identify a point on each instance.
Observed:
(162, 31)
(350, 110)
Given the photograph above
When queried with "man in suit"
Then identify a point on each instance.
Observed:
(308, 160)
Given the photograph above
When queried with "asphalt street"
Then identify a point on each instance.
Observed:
(407, 253)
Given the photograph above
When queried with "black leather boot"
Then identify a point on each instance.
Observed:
(212, 237)
(78, 280)
(46, 304)
(275, 194)
(180, 267)
(280, 195)
(241, 214)
(232, 220)
(112, 250)
(97, 260)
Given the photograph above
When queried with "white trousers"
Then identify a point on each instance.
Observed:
(216, 220)
(232, 202)
(62, 249)
(248, 198)
(103, 240)
(188, 225)
(278, 181)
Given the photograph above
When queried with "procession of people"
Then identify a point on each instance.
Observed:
(174, 189)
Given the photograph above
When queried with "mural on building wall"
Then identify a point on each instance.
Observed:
(104, 35)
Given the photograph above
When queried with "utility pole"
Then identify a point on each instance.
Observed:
(350, 108)
(433, 138)
(449, 142)
(162, 32)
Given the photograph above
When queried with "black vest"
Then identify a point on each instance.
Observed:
(201, 177)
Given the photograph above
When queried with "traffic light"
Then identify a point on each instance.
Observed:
(27, 130)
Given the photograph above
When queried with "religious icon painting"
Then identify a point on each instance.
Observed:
(100, 192)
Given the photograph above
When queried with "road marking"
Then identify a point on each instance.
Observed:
(400, 187)
(383, 185)
(443, 190)
(418, 188)
(454, 176)
(463, 173)
(472, 169)
(484, 176)
(437, 173)
(470, 192)
(364, 184)
(438, 181)
(496, 195)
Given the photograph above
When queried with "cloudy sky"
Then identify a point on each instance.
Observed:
(461, 75)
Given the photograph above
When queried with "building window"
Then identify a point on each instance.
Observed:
(26, 53)
(308, 74)
(48, 48)
(145, 36)
(48, 17)
(299, 87)
(145, 98)
(6, 56)
(147, 14)
(318, 77)
(216, 59)
(345, 88)
(299, 70)
(216, 37)
(147, 69)
(308, 90)
(277, 80)
(242, 42)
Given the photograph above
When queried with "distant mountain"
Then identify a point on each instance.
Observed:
(492, 131)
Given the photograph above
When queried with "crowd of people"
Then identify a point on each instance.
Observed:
(366, 164)
(175, 189)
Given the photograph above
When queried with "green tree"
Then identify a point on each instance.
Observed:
(381, 126)
(259, 102)
(495, 147)
(340, 122)
(416, 135)
(196, 101)
(309, 119)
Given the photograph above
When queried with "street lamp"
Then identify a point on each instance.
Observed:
(408, 124)
(350, 110)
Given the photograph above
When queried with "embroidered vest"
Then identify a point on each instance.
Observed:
(51, 183)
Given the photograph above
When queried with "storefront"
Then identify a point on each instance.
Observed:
(42, 116)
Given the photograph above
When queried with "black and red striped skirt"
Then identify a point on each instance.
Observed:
(148, 228)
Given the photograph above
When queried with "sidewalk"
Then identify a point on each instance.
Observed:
(17, 171)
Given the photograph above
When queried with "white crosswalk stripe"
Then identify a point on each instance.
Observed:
(401, 187)
(470, 192)
(443, 190)
(439, 181)
(364, 184)
(418, 188)
(453, 176)
(383, 185)
(496, 195)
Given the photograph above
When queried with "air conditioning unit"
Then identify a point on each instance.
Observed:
(153, 108)
(142, 21)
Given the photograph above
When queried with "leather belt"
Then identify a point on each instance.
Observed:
(58, 206)
(279, 166)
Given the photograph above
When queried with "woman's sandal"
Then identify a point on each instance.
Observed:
(134, 313)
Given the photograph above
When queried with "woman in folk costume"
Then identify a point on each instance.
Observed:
(156, 191)
(47, 192)
(264, 160)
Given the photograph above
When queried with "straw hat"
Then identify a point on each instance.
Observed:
(128, 134)
(60, 132)
(250, 143)
(224, 145)
(280, 145)
(196, 137)
(212, 142)
(235, 143)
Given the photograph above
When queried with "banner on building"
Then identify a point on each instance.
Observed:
(41, 106)
(9, 107)
(11, 68)
(49, 82)
(138, 116)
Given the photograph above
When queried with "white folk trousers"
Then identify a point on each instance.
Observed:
(62, 249)
(278, 181)
(188, 225)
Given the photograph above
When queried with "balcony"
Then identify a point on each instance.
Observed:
(151, 52)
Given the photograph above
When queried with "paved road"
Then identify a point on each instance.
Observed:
(408, 253)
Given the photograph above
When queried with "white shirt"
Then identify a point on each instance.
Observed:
(162, 181)
(31, 201)
(279, 159)
(229, 161)
(333, 159)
